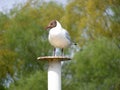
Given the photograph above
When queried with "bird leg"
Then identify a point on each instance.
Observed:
(54, 49)
(62, 52)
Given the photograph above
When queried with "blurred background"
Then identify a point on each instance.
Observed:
(93, 24)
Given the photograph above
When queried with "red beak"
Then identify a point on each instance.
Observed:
(48, 27)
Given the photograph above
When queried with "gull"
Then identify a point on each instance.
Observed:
(58, 36)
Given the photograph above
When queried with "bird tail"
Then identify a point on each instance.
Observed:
(75, 44)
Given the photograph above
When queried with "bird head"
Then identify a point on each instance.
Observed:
(52, 24)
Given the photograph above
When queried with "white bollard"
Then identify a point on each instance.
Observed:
(54, 75)
(54, 70)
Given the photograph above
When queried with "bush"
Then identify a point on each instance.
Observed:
(96, 67)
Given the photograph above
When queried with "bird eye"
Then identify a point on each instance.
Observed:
(51, 23)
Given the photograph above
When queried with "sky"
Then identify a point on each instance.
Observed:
(6, 5)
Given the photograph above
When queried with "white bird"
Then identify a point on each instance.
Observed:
(58, 36)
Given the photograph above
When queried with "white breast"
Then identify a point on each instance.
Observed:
(58, 39)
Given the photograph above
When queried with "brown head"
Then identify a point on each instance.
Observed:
(52, 24)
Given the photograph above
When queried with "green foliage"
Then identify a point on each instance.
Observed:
(4, 21)
(7, 57)
(23, 39)
(96, 67)
(36, 81)
(88, 19)
(6, 66)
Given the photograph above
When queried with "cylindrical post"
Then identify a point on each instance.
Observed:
(54, 75)
(54, 70)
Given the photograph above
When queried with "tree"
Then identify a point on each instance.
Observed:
(24, 38)
(7, 57)
(96, 67)
(89, 19)
(36, 81)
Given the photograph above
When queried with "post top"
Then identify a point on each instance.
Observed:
(56, 58)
